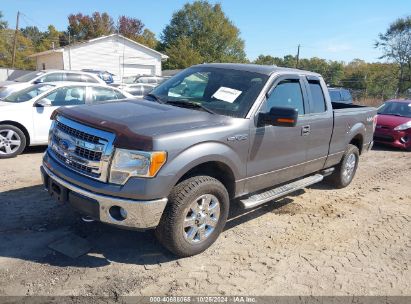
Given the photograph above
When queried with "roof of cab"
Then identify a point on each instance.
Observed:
(256, 68)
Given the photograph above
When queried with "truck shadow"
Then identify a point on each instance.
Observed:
(31, 221)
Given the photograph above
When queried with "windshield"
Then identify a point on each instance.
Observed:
(28, 93)
(396, 108)
(28, 77)
(223, 91)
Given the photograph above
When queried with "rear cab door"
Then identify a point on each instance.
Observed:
(319, 122)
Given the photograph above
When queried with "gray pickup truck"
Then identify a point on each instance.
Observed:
(211, 136)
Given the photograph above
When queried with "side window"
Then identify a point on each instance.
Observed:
(317, 104)
(67, 96)
(73, 77)
(88, 78)
(102, 94)
(52, 77)
(287, 94)
(119, 95)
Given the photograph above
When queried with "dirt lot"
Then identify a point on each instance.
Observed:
(319, 241)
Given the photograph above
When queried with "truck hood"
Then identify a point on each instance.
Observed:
(137, 123)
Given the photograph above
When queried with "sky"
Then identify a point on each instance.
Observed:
(334, 30)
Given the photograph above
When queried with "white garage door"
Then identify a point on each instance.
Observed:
(138, 69)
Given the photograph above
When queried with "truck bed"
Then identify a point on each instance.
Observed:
(350, 119)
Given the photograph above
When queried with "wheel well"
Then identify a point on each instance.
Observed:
(218, 170)
(20, 126)
(357, 141)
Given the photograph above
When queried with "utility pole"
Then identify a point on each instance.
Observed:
(15, 41)
(298, 56)
(69, 49)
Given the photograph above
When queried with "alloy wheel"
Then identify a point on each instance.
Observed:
(10, 142)
(201, 218)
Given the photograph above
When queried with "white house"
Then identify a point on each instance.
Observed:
(114, 53)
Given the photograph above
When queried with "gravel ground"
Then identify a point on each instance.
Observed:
(319, 241)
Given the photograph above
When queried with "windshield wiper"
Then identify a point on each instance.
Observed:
(155, 97)
(190, 104)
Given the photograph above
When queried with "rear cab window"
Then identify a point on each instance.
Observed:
(317, 100)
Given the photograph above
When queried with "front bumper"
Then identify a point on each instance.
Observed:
(398, 139)
(104, 208)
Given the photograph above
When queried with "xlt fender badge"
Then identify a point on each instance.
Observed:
(238, 137)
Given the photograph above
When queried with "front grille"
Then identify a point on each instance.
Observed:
(74, 165)
(88, 154)
(386, 138)
(81, 148)
(77, 133)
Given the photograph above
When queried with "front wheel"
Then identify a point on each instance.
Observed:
(345, 171)
(12, 141)
(195, 215)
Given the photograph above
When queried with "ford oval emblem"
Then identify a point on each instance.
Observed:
(66, 145)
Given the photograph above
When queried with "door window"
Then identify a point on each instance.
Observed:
(52, 77)
(103, 94)
(317, 104)
(88, 78)
(67, 96)
(287, 94)
(74, 77)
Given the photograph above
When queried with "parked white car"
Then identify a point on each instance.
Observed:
(138, 89)
(10, 86)
(25, 115)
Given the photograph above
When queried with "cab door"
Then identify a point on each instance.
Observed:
(278, 154)
(67, 96)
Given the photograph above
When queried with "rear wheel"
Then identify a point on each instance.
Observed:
(194, 217)
(345, 171)
(12, 141)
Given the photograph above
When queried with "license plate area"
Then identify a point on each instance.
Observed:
(57, 191)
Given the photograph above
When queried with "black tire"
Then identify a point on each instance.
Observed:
(339, 179)
(171, 232)
(5, 143)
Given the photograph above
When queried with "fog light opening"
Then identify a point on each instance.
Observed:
(404, 139)
(118, 213)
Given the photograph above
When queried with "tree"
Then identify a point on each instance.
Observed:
(130, 27)
(24, 49)
(85, 27)
(395, 44)
(182, 55)
(148, 38)
(206, 31)
(3, 23)
(268, 60)
(133, 29)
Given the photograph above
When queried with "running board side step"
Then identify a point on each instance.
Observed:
(261, 198)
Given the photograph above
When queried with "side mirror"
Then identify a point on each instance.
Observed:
(43, 103)
(281, 117)
(37, 81)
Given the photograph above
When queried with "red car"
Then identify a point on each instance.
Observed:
(394, 124)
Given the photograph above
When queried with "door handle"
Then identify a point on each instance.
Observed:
(305, 130)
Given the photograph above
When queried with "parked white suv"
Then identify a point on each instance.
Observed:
(10, 86)
(25, 115)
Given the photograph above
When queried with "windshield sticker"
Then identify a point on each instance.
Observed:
(227, 94)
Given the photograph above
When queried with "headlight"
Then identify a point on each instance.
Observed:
(404, 126)
(128, 163)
